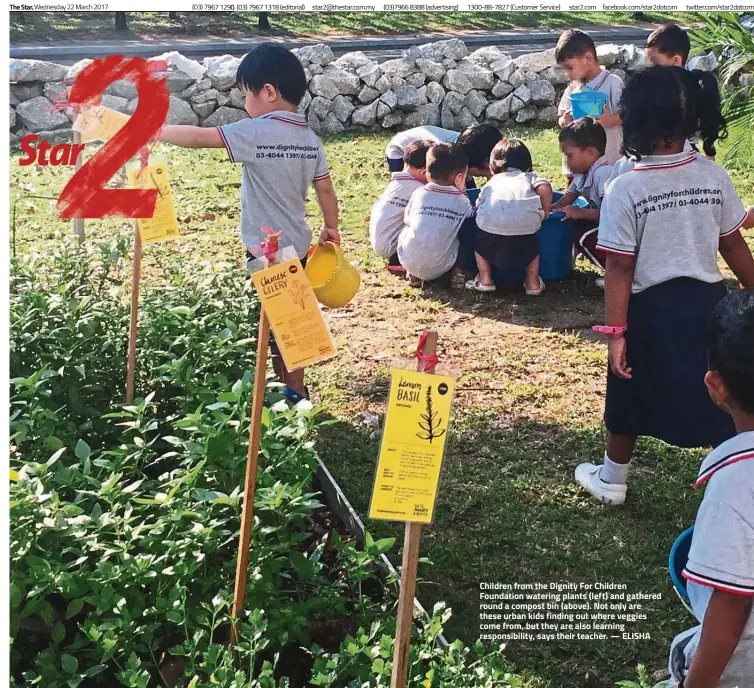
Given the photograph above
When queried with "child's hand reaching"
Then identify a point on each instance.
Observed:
(329, 234)
(571, 212)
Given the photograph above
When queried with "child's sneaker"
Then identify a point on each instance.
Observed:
(396, 270)
(588, 476)
(414, 281)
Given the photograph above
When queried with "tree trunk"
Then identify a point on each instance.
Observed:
(263, 20)
(120, 21)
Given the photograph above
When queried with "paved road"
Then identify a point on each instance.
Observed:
(514, 42)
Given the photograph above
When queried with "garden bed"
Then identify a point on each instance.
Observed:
(125, 518)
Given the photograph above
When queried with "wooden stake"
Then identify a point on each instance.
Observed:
(408, 570)
(135, 284)
(250, 482)
(78, 222)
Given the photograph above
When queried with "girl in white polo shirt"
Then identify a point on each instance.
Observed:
(661, 225)
(510, 211)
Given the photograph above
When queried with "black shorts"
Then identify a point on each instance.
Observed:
(509, 254)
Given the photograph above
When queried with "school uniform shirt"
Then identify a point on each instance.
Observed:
(386, 218)
(722, 553)
(428, 244)
(612, 86)
(670, 212)
(281, 157)
(508, 204)
(398, 144)
(626, 164)
(592, 184)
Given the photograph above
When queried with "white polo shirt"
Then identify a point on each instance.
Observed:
(610, 85)
(722, 551)
(281, 158)
(428, 244)
(509, 205)
(398, 144)
(386, 218)
(670, 212)
(592, 184)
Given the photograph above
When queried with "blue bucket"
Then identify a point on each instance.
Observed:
(679, 555)
(587, 104)
(555, 239)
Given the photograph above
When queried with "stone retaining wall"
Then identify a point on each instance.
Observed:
(438, 83)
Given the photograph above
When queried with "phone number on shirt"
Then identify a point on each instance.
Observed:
(679, 204)
(290, 156)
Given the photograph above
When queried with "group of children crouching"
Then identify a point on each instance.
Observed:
(431, 222)
(680, 352)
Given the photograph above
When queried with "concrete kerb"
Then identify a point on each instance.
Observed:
(337, 45)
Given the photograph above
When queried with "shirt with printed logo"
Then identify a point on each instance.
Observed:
(670, 212)
(428, 244)
(281, 157)
(386, 218)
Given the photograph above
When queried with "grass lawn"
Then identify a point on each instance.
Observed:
(528, 409)
(52, 26)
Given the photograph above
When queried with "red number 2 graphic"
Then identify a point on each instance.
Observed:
(85, 195)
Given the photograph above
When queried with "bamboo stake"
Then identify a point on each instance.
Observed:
(78, 222)
(250, 482)
(408, 570)
(135, 285)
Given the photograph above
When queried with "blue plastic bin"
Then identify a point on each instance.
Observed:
(679, 555)
(555, 249)
(587, 104)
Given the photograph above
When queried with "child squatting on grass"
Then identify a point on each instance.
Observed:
(583, 145)
(386, 218)
(429, 244)
(477, 142)
(720, 567)
(273, 188)
(661, 226)
(510, 211)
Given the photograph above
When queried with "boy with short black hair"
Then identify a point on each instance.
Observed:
(668, 46)
(720, 568)
(583, 145)
(281, 159)
(386, 218)
(577, 54)
(428, 246)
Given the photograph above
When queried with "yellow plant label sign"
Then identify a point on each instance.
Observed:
(413, 444)
(99, 123)
(163, 225)
(300, 330)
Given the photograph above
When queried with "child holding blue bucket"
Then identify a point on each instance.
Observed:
(510, 211)
(661, 227)
(592, 91)
(719, 570)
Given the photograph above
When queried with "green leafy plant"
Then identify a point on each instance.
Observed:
(723, 34)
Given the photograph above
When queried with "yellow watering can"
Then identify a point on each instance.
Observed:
(334, 279)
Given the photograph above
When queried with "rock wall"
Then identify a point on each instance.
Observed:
(438, 83)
